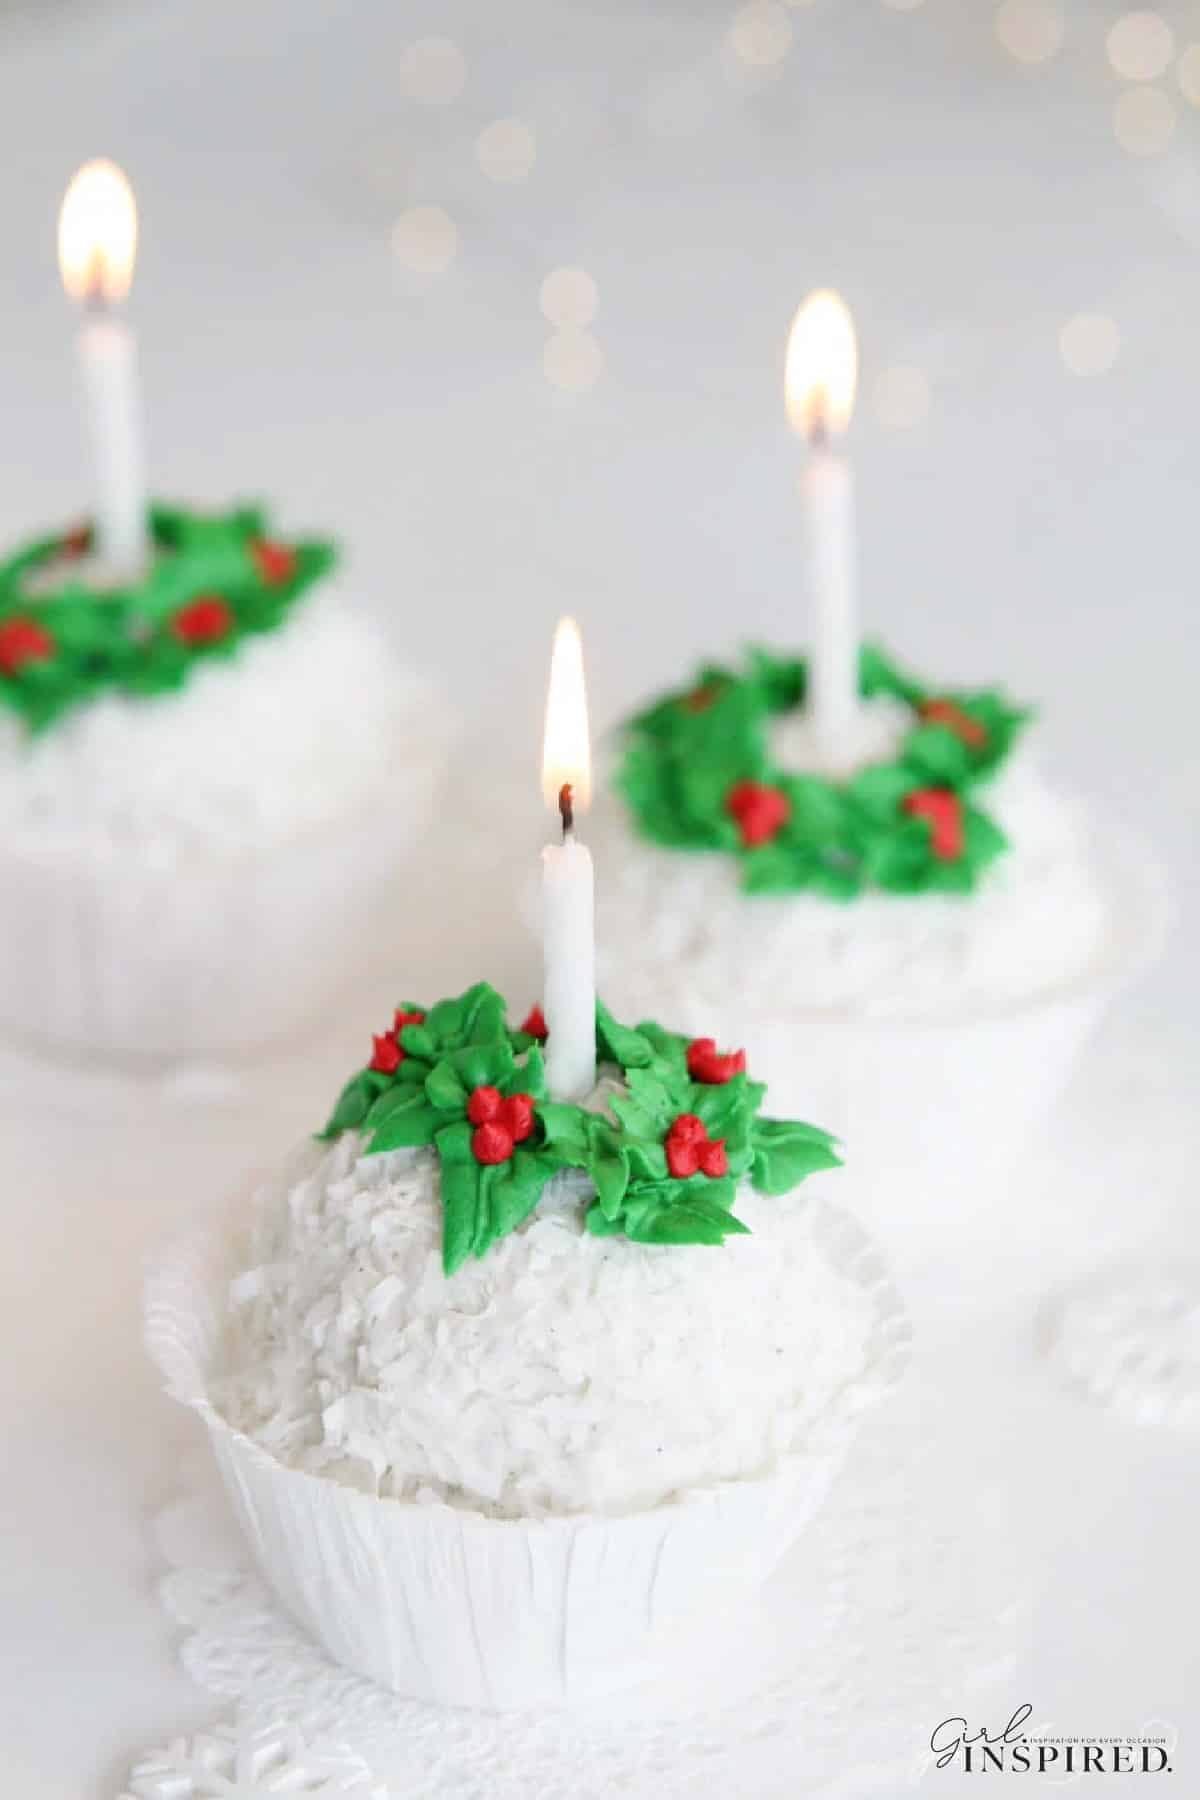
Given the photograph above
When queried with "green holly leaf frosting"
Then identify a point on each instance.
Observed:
(215, 581)
(697, 773)
(673, 1129)
(785, 1152)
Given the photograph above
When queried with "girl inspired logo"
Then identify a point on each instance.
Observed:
(1018, 1751)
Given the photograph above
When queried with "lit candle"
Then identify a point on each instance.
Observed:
(568, 889)
(822, 373)
(97, 239)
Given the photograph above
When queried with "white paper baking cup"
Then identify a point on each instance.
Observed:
(445, 1604)
(145, 952)
(921, 1104)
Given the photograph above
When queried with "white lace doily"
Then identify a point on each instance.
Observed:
(1129, 1339)
(229, 1763)
(829, 1687)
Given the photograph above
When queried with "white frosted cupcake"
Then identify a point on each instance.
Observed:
(920, 942)
(200, 778)
(510, 1395)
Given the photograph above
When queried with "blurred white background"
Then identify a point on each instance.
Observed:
(349, 218)
(349, 215)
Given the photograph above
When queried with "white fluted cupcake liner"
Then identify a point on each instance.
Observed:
(445, 1604)
(928, 1102)
(195, 874)
(130, 953)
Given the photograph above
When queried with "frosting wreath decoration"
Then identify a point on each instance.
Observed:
(681, 1126)
(214, 581)
(697, 774)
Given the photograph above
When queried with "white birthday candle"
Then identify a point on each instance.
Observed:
(822, 373)
(97, 241)
(568, 884)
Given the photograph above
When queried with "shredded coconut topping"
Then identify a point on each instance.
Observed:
(678, 919)
(297, 728)
(561, 1373)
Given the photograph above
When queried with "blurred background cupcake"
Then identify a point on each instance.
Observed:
(921, 930)
(210, 763)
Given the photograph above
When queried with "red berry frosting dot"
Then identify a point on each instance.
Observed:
(941, 809)
(500, 1124)
(387, 1056)
(516, 1115)
(713, 1160)
(276, 562)
(701, 698)
(484, 1105)
(683, 1157)
(535, 1024)
(951, 714)
(691, 1151)
(760, 811)
(708, 1065)
(407, 1018)
(491, 1144)
(23, 641)
(205, 620)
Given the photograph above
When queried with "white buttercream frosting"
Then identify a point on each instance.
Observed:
(298, 728)
(672, 919)
(559, 1374)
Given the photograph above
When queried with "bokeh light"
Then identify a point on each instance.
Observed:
(1140, 46)
(902, 397)
(573, 361)
(1188, 74)
(568, 299)
(761, 34)
(506, 150)
(433, 71)
(1032, 31)
(425, 239)
(1144, 121)
(1088, 343)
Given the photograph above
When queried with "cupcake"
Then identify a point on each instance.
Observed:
(918, 943)
(202, 775)
(512, 1395)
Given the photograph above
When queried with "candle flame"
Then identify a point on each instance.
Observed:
(97, 233)
(822, 366)
(566, 745)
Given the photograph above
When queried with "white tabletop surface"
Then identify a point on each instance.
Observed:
(1035, 525)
